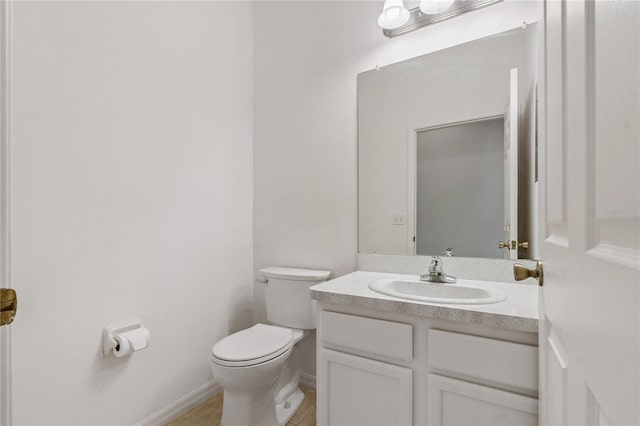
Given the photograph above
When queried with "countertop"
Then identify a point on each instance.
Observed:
(519, 312)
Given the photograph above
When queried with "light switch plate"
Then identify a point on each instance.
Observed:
(399, 219)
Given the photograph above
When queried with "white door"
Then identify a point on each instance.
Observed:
(5, 331)
(589, 212)
(511, 168)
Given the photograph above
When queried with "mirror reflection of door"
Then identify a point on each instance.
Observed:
(465, 159)
(511, 168)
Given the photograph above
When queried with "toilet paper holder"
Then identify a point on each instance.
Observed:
(109, 343)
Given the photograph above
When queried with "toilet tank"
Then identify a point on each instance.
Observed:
(288, 298)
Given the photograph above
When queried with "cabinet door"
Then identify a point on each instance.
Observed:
(353, 391)
(455, 402)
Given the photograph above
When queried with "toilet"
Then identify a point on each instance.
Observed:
(259, 367)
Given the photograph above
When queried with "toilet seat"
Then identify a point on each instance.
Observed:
(252, 346)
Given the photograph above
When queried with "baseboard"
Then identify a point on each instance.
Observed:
(308, 380)
(198, 396)
(182, 405)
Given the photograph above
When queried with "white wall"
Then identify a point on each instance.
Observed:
(307, 57)
(132, 196)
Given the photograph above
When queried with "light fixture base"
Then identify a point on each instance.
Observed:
(417, 19)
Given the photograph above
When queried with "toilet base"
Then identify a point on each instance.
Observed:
(249, 407)
(286, 409)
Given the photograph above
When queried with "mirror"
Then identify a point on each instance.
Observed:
(447, 153)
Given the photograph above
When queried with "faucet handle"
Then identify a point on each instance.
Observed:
(436, 264)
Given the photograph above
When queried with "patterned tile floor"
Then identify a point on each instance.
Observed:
(209, 412)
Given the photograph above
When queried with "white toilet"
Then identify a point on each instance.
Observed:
(259, 368)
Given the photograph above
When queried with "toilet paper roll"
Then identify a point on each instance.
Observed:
(131, 341)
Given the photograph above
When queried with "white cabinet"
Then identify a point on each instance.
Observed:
(377, 368)
(454, 402)
(366, 336)
(354, 390)
(501, 363)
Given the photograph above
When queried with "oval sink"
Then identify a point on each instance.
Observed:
(435, 292)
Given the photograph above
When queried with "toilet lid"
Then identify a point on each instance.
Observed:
(253, 343)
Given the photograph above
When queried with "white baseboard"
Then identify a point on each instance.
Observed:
(198, 396)
(308, 380)
(182, 405)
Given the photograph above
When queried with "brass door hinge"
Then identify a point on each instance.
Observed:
(8, 305)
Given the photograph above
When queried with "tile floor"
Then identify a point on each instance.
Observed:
(209, 412)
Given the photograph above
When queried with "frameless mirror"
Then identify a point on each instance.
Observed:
(447, 155)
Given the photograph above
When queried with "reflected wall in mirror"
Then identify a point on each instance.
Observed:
(447, 152)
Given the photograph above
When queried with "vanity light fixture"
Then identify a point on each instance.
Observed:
(433, 7)
(393, 15)
(395, 19)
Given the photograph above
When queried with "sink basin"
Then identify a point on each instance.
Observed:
(435, 292)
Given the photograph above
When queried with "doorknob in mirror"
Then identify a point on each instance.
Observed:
(521, 272)
(512, 244)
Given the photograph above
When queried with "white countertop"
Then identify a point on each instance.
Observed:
(519, 312)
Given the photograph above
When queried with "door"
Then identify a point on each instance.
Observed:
(589, 212)
(5, 331)
(511, 169)
(361, 391)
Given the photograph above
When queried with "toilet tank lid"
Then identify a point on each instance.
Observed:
(295, 274)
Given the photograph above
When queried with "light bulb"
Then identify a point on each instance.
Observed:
(432, 7)
(393, 15)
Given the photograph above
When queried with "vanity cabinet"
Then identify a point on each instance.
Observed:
(502, 364)
(458, 402)
(361, 391)
(362, 383)
(379, 368)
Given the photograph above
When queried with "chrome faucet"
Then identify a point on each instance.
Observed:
(436, 274)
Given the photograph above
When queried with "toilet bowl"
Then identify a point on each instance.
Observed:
(259, 367)
(248, 365)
